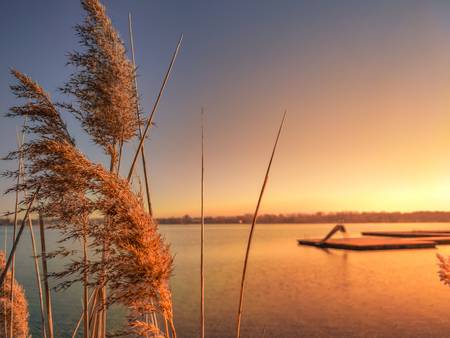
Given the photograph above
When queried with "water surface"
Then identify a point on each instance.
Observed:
(292, 291)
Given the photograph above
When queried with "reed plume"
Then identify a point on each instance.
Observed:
(72, 188)
(20, 324)
(103, 84)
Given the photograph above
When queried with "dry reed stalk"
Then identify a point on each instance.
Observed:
(48, 300)
(33, 246)
(93, 315)
(202, 242)
(38, 278)
(5, 318)
(16, 213)
(155, 106)
(119, 160)
(19, 327)
(166, 327)
(16, 241)
(252, 228)
(154, 319)
(144, 163)
(172, 328)
(82, 317)
(85, 285)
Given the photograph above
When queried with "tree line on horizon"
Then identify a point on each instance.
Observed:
(319, 217)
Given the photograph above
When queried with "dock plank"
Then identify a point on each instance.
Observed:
(371, 243)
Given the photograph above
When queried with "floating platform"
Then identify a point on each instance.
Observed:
(408, 234)
(374, 243)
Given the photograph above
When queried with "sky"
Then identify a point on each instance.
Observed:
(366, 85)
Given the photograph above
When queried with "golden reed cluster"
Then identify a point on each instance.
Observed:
(131, 264)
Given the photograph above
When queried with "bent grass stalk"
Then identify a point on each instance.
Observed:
(155, 106)
(252, 228)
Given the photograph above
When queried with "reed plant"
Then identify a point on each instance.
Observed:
(130, 262)
(71, 185)
(18, 327)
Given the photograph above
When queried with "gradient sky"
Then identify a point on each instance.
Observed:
(366, 85)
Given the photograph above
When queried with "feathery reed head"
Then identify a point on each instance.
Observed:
(20, 305)
(72, 188)
(103, 83)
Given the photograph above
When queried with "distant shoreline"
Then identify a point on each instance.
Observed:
(302, 218)
(320, 218)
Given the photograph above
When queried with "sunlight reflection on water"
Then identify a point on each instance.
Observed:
(291, 291)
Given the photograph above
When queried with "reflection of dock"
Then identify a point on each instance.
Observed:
(383, 240)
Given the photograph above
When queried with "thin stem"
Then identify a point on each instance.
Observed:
(250, 236)
(154, 319)
(85, 284)
(48, 299)
(38, 277)
(202, 245)
(155, 106)
(5, 317)
(93, 318)
(120, 154)
(35, 255)
(166, 327)
(16, 241)
(16, 213)
(138, 115)
(91, 297)
(172, 328)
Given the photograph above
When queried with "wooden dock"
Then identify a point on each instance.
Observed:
(373, 243)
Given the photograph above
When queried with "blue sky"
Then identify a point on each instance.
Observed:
(365, 83)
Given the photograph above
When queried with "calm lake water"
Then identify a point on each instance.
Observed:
(292, 291)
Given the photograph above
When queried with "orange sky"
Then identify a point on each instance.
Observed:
(366, 85)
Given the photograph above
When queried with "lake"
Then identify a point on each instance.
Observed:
(292, 290)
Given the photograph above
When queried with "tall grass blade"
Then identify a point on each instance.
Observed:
(155, 106)
(85, 286)
(5, 317)
(48, 299)
(154, 319)
(252, 228)
(16, 213)
(202, 242)
(38, 278)
(144, 162)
